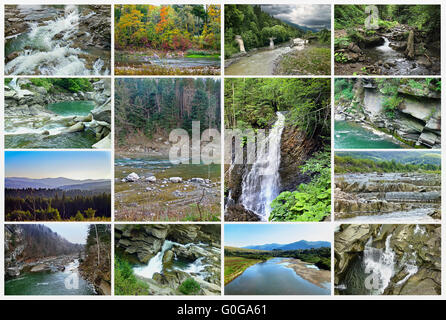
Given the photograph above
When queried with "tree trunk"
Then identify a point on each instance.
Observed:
(410, 45)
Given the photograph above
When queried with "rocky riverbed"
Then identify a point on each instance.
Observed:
(388, 196)
(388, 259)
(57, 40)
(164, 256)
(151, 188)
(38, 118)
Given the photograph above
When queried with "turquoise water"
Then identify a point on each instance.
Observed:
(272, 278)
(350, 135)
(72, 108)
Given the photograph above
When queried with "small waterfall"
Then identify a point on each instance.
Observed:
(13, 84)
(155, 264)
(380, 264)
(261, 185)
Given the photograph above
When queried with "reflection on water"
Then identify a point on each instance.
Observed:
(273, 278)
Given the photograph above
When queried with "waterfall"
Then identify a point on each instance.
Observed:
(261, 185)
(155, 264)
(380, 264)
(13, 84)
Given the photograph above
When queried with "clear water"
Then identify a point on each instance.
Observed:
(350, 135)
(272, 278)
(72, 108)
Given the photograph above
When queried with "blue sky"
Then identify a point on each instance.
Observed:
(53, 164)
(240, 235)
(73, 232)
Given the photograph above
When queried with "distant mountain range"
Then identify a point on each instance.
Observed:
(58, 183)
(298, 26)
(298, 245)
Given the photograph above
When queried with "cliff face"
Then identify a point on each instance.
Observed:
(415, 120)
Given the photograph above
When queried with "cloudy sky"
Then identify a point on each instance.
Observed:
(316, 16)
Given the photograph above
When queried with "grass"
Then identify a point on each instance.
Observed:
(310, 61)
(134, 203)
(126, 282)
(137, 69)
(235, 266)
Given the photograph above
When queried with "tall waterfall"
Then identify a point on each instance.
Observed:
(261, 185)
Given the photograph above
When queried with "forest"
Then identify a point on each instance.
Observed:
(96, 266)
(350, 164)
(56, 205)
(253, 103)
(145, 108)
(301, 190)
(408, 34)
(167, 39)
(321, 257)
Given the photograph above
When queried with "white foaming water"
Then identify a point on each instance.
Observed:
(379, 263)
(155, 264)
(261, 185)
(52, 56)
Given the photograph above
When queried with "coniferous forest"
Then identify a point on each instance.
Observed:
(56, 205)
(145, 108)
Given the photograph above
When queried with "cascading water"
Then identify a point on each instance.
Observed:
(379, 264)
(48, 49)
(155, 265)
(261, 185)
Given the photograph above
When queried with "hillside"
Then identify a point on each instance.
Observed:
(54, 183)
(33, 241)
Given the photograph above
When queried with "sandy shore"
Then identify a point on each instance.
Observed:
(315, 276)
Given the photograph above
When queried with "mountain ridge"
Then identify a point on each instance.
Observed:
(298, 245)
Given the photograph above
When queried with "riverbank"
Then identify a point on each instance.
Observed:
(284, 59)
(158, 62)
(235, 266)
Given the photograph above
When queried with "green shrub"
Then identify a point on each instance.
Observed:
(312, 201)
(125, 281)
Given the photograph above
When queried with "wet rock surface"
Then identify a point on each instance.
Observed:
(407, 196)
(197, 247)
(403, 259)
(415, 122)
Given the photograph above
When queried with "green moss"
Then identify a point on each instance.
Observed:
(189, 287)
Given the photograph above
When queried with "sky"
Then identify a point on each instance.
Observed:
(316, 16)
(77, 165)
(73, 232)
(240, 235)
